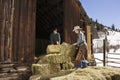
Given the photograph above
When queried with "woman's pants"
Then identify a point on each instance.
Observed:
(81, 54)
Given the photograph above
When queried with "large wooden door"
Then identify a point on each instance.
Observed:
(17, 30)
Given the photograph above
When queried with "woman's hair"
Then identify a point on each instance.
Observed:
(79, 30)
(55, 29)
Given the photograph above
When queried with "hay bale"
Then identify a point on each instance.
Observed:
(51, 49)
(69, 50)
(45, 69)
(55, 58)
(42, 69)
(67, 65)
(54, 68)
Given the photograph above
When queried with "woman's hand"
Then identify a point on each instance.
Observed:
(58, 43)
(74, 44)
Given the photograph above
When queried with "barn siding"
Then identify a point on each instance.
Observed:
(0, 28)
(73, 13)
(17, 30)
(17, 27)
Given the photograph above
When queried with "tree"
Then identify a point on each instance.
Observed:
(96, 21)
(113, 27)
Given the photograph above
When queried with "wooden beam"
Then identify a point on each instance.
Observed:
(89, 54)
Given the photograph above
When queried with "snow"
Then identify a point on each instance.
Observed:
(100, 56)
(118, 51)
(113, 46)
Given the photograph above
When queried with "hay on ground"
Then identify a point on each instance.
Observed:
(92, 73)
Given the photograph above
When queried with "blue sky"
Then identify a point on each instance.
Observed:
(106, 12)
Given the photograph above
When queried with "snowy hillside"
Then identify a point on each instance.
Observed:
(113, 41)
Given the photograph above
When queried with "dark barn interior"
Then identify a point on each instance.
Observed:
(49, 14)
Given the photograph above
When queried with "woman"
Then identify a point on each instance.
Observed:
(81, 44)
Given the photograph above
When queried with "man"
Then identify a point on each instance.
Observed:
(55, 37)
(81, 44)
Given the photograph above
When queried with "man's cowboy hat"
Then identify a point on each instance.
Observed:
(76, 28)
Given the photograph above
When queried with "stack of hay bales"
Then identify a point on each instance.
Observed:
(58, 58)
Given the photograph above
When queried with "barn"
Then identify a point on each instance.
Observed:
(25, 26)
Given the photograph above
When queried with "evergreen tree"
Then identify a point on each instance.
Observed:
(96, 21)
(113, 27)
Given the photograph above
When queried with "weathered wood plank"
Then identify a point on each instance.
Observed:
(21, 33)
(30, 31)
(2, 30)
(0, 26)
(16, 30)
(6, 29)
(33, 31)
(27, 31)
(1, 20)
(11, 29)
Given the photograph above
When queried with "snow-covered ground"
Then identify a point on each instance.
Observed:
(113, 46)
(100, 56)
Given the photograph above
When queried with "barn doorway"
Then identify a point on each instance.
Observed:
(49, 14)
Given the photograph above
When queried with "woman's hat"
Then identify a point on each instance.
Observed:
(76, 28)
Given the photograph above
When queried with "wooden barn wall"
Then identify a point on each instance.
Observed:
(72, 15)
(17, 30)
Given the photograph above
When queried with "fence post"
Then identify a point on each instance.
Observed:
(104, 52)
